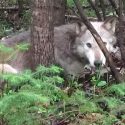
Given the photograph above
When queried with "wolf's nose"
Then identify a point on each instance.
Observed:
(97, 63)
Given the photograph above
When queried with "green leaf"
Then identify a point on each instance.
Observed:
(23, 46)
(88, 106)
(101, 83)
(5, 49)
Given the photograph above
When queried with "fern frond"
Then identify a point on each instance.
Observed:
(111, 102)
(47, 70)
(118, 90)
(17, 79)
(13, 101)
(89, 106)
(22, 46)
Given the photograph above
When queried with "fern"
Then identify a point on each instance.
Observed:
(22, 46)
(81, 103)
(13, 101)
(32, 100)
(40, 99)
(89, 106)
(5, 49)
(111, 102)
(109, 120)
(17, 80)
(23, 104)
(118, 90)
(47, 71)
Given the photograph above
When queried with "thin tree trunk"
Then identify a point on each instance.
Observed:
(124, 5)
(59, 12)
(95, 8)
(121, 31)
(102, 4)
(112, 2)
(42, 33)
(20, 6)
(99, 42)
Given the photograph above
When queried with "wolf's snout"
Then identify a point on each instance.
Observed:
(97, 63)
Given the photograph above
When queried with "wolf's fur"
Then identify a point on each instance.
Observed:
(71, 49)
(5, 68)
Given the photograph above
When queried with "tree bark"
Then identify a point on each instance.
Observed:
(124, 6)
(99, 42)
(112, 2)
(59, 12)
(42, 33)
(120, 32)
(102, 5)
(20, 7)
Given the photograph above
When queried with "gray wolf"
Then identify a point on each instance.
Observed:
(75, 47)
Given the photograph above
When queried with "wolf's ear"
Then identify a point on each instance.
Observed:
(110, 24)
(80, 27)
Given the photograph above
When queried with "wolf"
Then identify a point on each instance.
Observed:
(74, 46)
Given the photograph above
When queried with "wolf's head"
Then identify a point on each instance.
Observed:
(86, 47)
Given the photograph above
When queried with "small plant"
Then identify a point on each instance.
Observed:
(98, 82)
(5, 28)
(28, 95)
(26, 19)
(36, 98)
(118, 90)
(8, 53)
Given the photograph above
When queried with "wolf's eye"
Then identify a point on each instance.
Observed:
(105, 43)
(89, 45)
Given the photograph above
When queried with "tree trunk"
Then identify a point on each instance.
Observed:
(59, 12)
(20, 5)
(113, 3)
(42, 33)
(102, 5)
(120, 31)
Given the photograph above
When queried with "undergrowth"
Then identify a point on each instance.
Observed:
(41, 97)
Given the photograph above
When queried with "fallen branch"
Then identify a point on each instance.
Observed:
(73, 17)
(13, 8)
